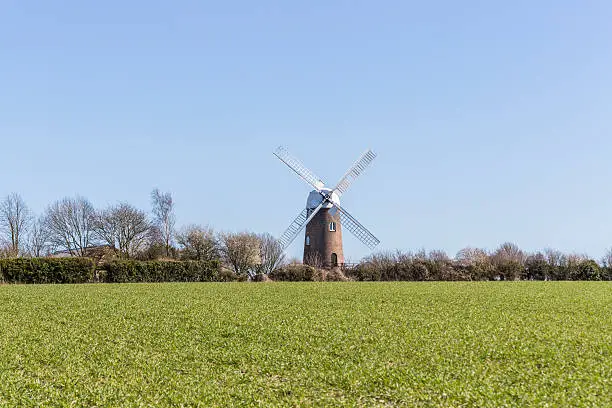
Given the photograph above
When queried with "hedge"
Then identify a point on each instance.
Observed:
(47, 270)
(294, 273)
(163, 271)
(83, 270)
(306, 273)
(447, 270)
(409, 271)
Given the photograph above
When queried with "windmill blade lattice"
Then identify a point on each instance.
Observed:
(356, 169)
(297, 166)
(361, 232)
(296, 226)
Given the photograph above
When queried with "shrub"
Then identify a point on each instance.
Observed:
(295, 273)
(510, 270)
(589, 270)
(227, 275)
(606, 274)
(402, 269)
(331, 275)
(47, 270)
(365, 272)
(536, 268)
(123, 271)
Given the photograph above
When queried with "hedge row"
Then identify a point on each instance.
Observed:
(385, 269)
(163, 271)
(47, 270)
(447, 270)
(83, 270)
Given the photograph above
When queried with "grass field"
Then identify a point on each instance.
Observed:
(449, 344)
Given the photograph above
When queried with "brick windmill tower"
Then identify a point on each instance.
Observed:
(323, 216)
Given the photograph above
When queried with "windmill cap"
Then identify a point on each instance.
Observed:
(315, 198)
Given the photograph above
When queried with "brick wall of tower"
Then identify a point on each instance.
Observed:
(323, 241)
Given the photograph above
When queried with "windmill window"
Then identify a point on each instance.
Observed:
(307, 239)
(332, 226)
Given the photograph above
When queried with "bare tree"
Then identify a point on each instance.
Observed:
(438, 255)
(293, 261)
(153, 247)
(475, 260)
(123, 227)
(472, 256)
(198, 243)
(509, 261)
(5, 252)
(314, 259)
(509, 252)
(383, 260)
(606, 260)
(554, 257)
(420, 255)
(271, 253)
(70, 223)
(38, 239)
(571, 269)
(15, 219)
(576, 258)
(241, 252)
(163, 213)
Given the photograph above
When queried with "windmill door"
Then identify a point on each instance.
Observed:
(334, 259)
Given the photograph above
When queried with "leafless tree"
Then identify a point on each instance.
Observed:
(401, 257)
(294, 261)
(536, 257)
(198, 243)
(554, 257)
(5, 252)
(574, 259)
(578, 257)
(509, 261)
(123, 227)
(385, 259)
(271, 253)
(606, 260)
(15, 219)
(438, 255)
(477, 261)
(38, 239)
(472, 256)
(154, 247)
(70, 223)
(314, 259)
(241, 252)
(571, 267)
(164, 218)
(509, 252)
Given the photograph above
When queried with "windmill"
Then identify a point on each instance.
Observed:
(323, 216)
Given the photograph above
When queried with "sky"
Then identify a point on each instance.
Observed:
(491, 119)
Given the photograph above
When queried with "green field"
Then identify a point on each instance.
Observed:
(450, 344)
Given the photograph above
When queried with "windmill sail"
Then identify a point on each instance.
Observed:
(356, 169)
(297, 166)
(350, 223)
(297, 225)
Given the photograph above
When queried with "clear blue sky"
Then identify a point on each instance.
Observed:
(491, 120)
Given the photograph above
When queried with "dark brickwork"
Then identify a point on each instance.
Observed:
(323, 242)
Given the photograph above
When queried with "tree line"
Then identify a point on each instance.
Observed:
(72, 226)
(507, 262)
